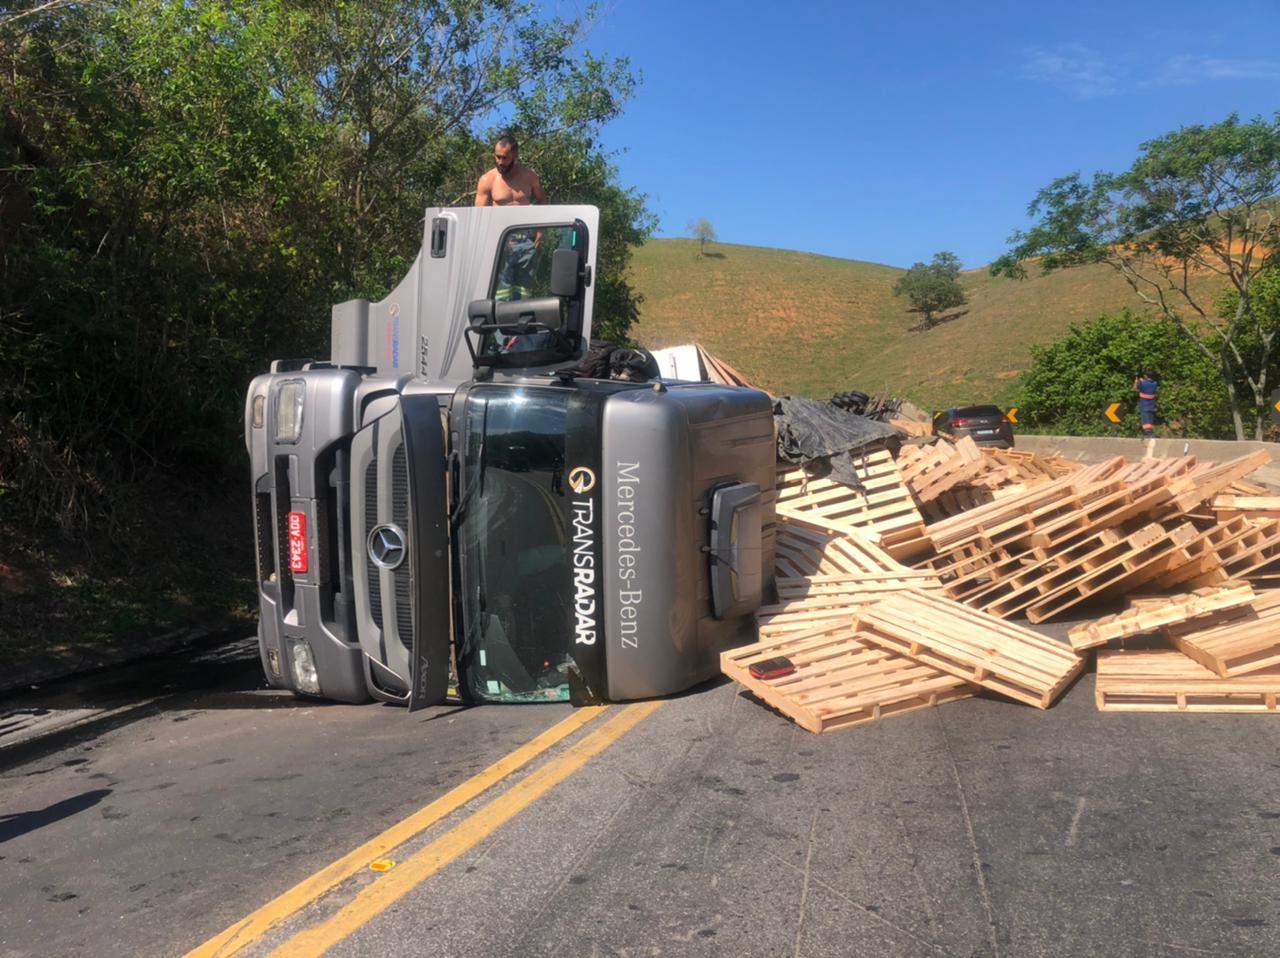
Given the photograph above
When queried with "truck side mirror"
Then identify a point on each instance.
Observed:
(480, 312)
(565, 270)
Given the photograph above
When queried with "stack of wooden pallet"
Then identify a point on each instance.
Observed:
(859, 656)
(1210, 653)
(930, 470)
(1102, 531)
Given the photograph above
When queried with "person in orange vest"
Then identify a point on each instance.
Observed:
(1147, 386)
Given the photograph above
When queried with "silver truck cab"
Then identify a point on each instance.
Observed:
(442, 491)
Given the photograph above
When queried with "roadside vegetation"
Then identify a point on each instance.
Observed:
(1201, 200)
(187, 186)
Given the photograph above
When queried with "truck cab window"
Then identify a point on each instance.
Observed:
(524, 262)
(523, 272)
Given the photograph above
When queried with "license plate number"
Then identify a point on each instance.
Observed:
(297, 542)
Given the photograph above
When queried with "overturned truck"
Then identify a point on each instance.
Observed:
(446, 494)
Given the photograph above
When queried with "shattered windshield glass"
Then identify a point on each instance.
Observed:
(513, 546)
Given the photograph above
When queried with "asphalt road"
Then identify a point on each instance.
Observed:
(703, 825)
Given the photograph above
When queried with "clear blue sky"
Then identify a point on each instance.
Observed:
(889, 131)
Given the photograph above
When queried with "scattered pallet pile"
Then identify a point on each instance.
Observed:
(884, 612)
(1100, 532)
(980, 475)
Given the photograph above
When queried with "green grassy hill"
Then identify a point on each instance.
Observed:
(814, 325)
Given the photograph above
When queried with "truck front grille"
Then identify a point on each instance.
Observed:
(265, 535)
(371, 520)
(400, 516)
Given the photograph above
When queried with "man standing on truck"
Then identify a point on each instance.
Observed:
(510, 182)
(1146, 386)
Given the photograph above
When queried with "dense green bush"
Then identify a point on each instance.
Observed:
(186, 186)
(1073, 380)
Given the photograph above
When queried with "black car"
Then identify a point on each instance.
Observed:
(987, 425)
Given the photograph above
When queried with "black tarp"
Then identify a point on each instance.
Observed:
(826, 440)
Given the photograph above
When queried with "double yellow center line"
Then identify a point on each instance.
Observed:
(379, 895)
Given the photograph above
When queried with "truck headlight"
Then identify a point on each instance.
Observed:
(289, 399)
(305, 678)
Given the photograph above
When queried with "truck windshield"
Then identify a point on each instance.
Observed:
(513, 546)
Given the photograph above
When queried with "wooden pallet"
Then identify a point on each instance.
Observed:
(1031, 465)
(808, 546)
(971, 645)
(1247, 547)
(1244, 642)
(810, 600)
(1205, 482)
(1249, 507)
(1164, 558)
(1163, 680)
(882, 510)
(841, 679)
(1008, 519)
(718, 371)
(1152, 614)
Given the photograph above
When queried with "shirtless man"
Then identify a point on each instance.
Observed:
(510, 182)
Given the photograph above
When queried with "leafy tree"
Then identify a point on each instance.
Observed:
(703, 232)
(1073, 380)
(186, 186)
(932, 288)
(1198, 202)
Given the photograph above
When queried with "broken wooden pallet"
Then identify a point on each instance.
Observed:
(972, 645)
(1163, 680)
(840, 679)
(1161, 611)
(1246, 641)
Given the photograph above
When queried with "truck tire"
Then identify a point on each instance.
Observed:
(852, 401)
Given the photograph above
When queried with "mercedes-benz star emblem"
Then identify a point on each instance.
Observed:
(386, 546)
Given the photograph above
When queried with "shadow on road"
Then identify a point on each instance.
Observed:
(20, 823)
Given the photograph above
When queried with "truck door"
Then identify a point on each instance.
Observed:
(419, 328)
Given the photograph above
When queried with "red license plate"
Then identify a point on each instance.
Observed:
(297, 542)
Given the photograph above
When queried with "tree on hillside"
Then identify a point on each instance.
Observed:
(703, 232)
(932, 288)
(1200, 201)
